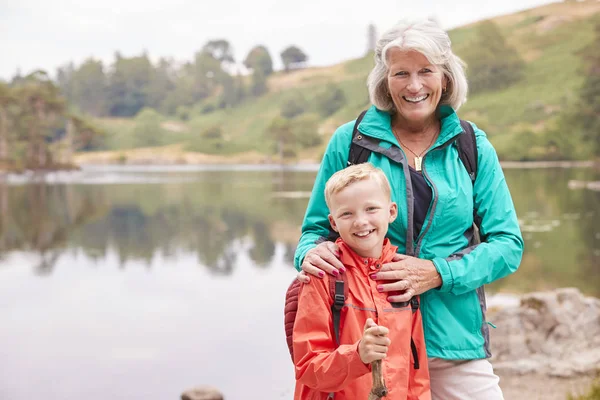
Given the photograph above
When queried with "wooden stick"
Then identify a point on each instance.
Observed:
(379, 390)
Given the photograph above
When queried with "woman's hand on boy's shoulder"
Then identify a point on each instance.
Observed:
(408, 276)
(322, 259)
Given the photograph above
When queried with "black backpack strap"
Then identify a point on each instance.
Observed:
(467, 149)
(357, 154)
(339, 292)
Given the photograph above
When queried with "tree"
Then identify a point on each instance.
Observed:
(220, 50)
(64, 76)
(7, 99)
(40, 103)
(331, 99)
(128, 85)
(160, 85)
(206, 75)
(259, 58)
(88, 88)
(80, 134)
(492, 63)
(293, 57)
(371, 37)
(258, 85)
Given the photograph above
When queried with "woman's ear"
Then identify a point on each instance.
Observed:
(393, 211)
(332, 223)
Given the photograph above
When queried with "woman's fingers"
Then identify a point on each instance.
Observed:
(403, 297)
(323, 259)
(399, 257)
(303, 277)
(309, 269)
(391, 275)
(393, 266)
(331, 260)
(333, 248)
(397, 286)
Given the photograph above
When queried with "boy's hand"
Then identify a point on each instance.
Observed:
(374, 343)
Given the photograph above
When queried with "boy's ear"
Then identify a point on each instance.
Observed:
(332, 223)
(393, 211)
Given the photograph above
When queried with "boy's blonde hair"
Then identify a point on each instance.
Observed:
(354, 173)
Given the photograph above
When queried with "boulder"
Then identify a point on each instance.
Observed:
(556, 333)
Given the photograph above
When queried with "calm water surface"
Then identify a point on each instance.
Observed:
(137, 284)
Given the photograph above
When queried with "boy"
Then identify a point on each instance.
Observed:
(371, 328)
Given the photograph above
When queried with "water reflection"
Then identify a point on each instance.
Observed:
(561, 228)
(220, 215)
(139, 221)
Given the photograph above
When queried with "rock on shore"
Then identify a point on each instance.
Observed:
(555, 333)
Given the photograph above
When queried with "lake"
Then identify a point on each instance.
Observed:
(139, 282)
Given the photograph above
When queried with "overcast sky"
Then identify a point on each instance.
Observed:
(48, 33)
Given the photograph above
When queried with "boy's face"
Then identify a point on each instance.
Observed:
(361, 213)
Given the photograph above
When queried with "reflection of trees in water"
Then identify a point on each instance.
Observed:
(563, 255)
(39, 218)
(263, 248)
(138, 222)
(290, 251)
(213, 233)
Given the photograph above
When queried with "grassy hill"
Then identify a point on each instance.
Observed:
(548, 38)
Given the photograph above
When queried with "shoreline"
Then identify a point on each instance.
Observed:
(222, 162)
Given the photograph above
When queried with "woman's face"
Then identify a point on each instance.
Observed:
(414, 84)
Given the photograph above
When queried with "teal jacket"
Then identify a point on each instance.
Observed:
(453, 314)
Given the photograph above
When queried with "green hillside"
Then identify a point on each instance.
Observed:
(547, 38)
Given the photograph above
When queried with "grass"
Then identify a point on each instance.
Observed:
(592, 394)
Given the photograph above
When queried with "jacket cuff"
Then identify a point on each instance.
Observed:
(443, 268)
(355, 364)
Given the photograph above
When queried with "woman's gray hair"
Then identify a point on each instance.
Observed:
(429, 39)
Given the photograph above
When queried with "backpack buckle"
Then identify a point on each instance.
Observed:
(339, 300)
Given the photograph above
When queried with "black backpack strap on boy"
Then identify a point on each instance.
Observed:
(339, 290)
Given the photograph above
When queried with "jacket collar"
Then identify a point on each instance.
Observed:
(350, 258)
(377, 124)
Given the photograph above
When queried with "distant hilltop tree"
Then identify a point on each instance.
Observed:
(259, 59)
(293, 58)
(220, 50)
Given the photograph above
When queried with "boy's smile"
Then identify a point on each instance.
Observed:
(361, 213)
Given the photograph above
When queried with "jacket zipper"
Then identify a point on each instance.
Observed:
(431, 209)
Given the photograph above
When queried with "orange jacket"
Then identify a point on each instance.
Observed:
(323, 367)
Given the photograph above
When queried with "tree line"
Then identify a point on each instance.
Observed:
(210, 80)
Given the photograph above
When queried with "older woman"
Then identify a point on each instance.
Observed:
(416, 87)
